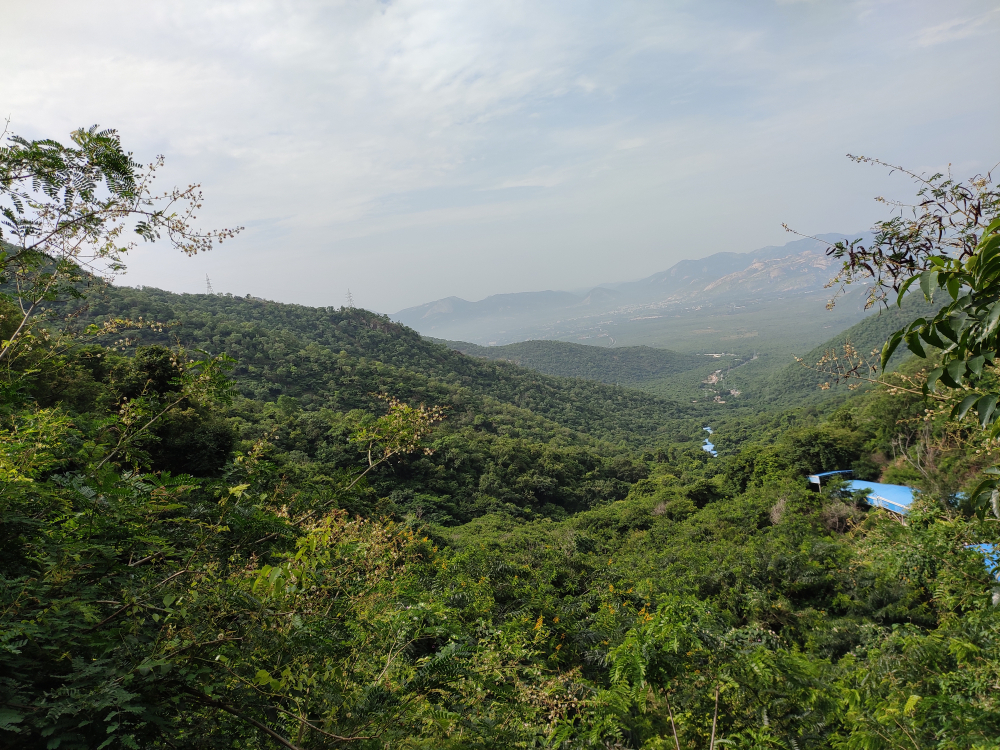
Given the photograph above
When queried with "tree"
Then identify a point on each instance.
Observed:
(948, 240)
(67, 214)
(141, 609)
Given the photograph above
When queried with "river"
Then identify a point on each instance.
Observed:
(708, 446)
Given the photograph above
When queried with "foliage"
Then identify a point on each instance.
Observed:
(336, 358)
(334, 533)
(66, 210)
(952, 242)
(945, 224)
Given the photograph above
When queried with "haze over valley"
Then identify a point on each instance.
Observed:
(767, 305)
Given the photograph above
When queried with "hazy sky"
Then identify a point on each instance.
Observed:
(415, 150)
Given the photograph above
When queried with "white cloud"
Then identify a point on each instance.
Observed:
(413, 150)
(957, 29)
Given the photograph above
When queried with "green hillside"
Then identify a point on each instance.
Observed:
(795, 383)
(336, 358)
(629, 365)
(554, 541)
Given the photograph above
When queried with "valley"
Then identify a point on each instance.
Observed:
(228, 522)
(771, 301)
(568, 503)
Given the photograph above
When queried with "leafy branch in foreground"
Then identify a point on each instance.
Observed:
(947, 221)
(65, 216)
(846, 365)
(950, 242)
(398, 432)
(195, 380)
(143, 599)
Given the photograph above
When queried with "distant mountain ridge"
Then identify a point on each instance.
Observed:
(626, 313)
(798, 265)
(497, 304)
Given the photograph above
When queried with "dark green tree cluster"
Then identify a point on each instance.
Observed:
(628, 365)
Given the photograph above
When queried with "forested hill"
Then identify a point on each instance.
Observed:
(656, 370)
(796, 383)
(628, 365)
(337, 358)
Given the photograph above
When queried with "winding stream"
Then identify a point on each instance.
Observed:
(708, 446)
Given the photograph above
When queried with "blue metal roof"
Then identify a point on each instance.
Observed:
(897, 498)
(818, 478)
(894, 497)
(992, 555)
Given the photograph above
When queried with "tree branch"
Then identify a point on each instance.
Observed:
(335, 737)
(127, 438)
(249, 720)
(673, 726)
(715, 718)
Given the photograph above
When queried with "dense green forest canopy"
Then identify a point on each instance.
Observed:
(627, 365)
(337, 357)
(229, 523)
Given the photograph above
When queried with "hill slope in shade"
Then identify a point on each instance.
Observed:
(779, 382)
(796, 382)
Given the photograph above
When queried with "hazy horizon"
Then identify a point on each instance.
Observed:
(582, 290)
(414, 151)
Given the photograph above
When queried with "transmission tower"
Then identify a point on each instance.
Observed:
(350, 300)
(208, 285)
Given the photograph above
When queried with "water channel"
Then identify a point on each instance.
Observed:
(708, 446)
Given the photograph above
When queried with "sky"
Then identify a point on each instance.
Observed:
(409, 151)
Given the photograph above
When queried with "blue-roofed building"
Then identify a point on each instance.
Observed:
(892, 497)
(897, 499)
